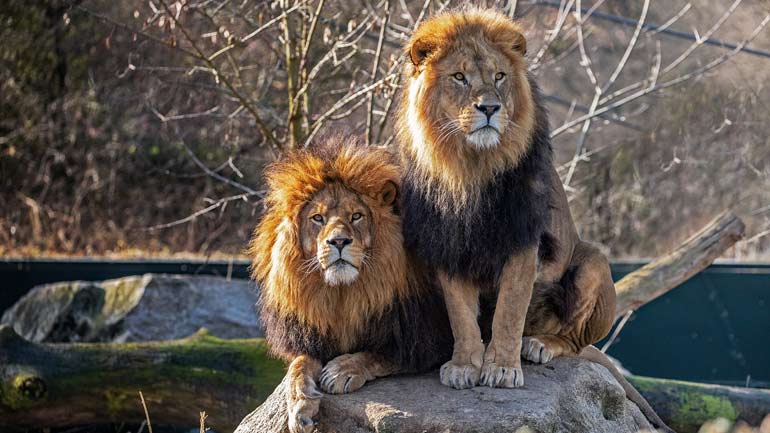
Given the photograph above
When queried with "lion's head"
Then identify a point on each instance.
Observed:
(467, 112)
(329, 249)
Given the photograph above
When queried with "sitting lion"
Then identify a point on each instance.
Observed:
(340, 300)
(484, 207)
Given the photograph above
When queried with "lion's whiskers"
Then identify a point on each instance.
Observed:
(365, 263)
(447, 129)
(310, 265)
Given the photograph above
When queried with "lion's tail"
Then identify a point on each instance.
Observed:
(593, 354)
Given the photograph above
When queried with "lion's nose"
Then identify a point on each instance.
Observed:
(340, 243)
(488, 109)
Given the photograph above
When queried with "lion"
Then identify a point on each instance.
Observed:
(484, 207)
(340, 299)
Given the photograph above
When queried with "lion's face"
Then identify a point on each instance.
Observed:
(468, 112)
(336, 234)
(474, 94)
(469, 81)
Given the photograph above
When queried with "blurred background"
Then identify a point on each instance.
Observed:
(140, 128)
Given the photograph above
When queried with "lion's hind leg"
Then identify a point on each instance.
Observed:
(303, 398)
(543, 348)
(349, 372)
(577, 312)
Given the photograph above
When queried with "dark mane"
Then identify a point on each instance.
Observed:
(414, 334)
(511, 213)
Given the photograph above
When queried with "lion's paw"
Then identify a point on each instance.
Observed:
(343, 374)
(301, 412)
(459, 376)
(302, 405)
(535, 351)
(301, 415)
(498, 376)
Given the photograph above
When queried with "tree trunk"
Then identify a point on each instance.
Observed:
(671, 270)
(51, 385)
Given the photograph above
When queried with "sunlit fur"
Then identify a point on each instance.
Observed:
(439, 126)
(471, 202)
(310, 313)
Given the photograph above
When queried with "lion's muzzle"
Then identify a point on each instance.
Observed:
(338, 261)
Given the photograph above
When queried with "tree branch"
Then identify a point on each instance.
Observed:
(671, 270)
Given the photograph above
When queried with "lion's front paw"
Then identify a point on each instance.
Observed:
(459, 376)
(301, 415)
(535, 351)
(344, 374)
(500, 376)
(302, 405)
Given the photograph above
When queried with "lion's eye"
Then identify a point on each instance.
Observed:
(459, 76)
(356, 216)
(317, 218)
(499, 76)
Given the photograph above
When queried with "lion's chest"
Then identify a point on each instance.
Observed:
(475, 242)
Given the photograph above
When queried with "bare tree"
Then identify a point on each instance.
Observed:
(225, 86)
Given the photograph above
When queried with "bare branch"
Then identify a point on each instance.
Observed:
(216, 205)
(341, 103)
(212, 173)
(311, 32)
(701, 39)
(260, 123)
(674, 19)
(598, 91)
(657, 87)
(375, 69)
(553, 33)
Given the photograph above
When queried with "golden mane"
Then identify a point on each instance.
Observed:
(292, 292)
(459, 169)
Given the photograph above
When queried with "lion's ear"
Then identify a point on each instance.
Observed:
(389, 193)
(519, 43)
(419, 50)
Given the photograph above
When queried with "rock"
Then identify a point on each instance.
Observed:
(139, 308)
(568, 395)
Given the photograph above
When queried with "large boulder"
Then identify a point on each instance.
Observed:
(139, 308)
(568, 395)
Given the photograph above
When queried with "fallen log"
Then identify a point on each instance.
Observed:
(685, 406)
(669, 271)
(55, 385)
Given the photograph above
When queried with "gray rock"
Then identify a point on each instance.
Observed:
(568, 395)
(138, 308)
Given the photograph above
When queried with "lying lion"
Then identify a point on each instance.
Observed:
(340, 299)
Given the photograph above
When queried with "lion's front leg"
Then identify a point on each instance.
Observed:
(304, 397)
(462, 302)
(349, 372)
(502, 358)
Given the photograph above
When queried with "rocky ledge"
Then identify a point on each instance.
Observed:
(568, 395)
